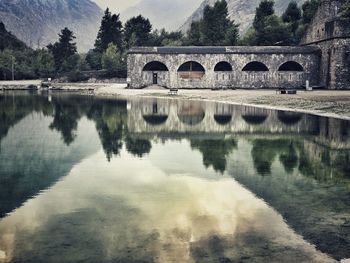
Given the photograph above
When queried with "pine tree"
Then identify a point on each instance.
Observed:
(110, 32)
(269, 28)
(215, 28)
(137, 31)
(292, 16)
(309, 10)
(64, 48)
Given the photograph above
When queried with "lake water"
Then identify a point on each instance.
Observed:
(84, 179)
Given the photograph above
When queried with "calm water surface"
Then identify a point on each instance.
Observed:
(84, 179)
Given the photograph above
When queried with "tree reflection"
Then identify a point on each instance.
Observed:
(138, 147)
(289, 158)
(65, 121)
(215, 152)
(110, 119)
(264, 152)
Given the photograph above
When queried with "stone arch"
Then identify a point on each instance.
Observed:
(223, 66)
(191, 70)
(155, 66)
(291, 66)
(155, 113)
(255, 66)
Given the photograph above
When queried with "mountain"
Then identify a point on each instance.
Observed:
(8, 40)
(242, 11)
(37, 22)
(168, 14)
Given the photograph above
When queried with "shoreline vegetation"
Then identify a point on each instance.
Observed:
(328, 103)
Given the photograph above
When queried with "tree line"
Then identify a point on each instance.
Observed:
(115, 38)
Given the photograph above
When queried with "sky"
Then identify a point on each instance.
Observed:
(168, 14)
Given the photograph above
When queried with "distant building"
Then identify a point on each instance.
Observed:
(323, 59)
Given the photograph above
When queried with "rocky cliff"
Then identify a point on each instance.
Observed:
(37, 22)
(242, 11)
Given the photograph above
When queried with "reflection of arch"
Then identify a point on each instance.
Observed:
(155, 119)
(291, 66)
(222, 119)
(191, 70)
(254, 119)
(155, 66)
(289, 118)
(191, 114)
(255, 66)
(223, 66)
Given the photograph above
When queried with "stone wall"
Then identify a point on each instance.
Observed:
(273, 58)
(332, 34)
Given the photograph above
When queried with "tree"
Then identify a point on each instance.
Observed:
(110, 32)
(43, 63)
(345, 9)
(269, 28)
(137, 31)
(264, 10)
(292, 17)
(194, 34)
(309, 10)
(214, 28)
(64, 48)
(112, 59)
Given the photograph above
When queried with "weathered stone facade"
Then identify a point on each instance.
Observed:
(332, 34)
(235, 75)
(323, 60)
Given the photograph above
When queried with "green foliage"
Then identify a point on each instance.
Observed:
(215, 152)
(93, 59)
(9, 41)
(137, 31)
(138, 147)
(64, 50)
(292, 17)
(110, 32)
(263, 11)
(309, 10)
(112, 58)
(214, 28)
(345, 9)
(164, 38)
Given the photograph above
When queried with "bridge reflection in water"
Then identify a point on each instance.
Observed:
(170, 116)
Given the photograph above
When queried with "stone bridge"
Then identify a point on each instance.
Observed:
(223, 67)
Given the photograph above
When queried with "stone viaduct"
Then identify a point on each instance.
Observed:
(323, 59)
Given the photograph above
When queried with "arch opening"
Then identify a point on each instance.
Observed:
(155, 66)
(222, 119)
(255, 66)
(223, 66)
(155, 120)
(289, 118)
(191, 114)
(191, 70)
(291, 66)
(256, 119)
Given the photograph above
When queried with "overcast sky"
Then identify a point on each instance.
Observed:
(169, 14)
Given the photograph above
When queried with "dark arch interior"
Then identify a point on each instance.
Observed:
(155, 119)
(155, 66)
(254, 119)
(222, 119)
(223, 66)
(255, 66)
(291, 66)
(289, 118)
(191, 66)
